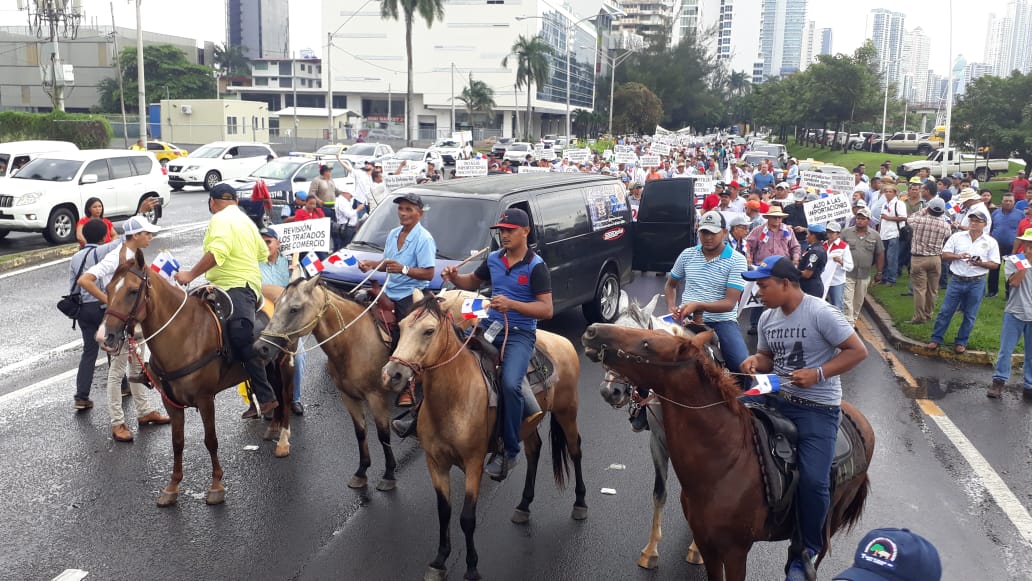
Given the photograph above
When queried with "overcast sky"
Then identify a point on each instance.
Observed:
(847, 19)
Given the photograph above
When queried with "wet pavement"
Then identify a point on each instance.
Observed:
(75, 499)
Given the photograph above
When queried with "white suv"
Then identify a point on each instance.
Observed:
(48, 194)
(216, 162)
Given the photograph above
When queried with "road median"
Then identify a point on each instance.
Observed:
(17, 260)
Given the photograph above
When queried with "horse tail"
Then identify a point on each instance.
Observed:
(851, 515)
(560, 453)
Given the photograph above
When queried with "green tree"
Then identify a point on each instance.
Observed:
(478, 98)
(430, 10)
(532, 67)
(997, 112)
(231, 60)
(167, 72)
(636, 109)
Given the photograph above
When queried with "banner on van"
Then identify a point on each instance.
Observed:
(306, 236)
(607, 206)
(468, 168)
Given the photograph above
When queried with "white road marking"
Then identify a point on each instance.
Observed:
(177, 230)
(71, 575)
(50, 381)
(40, 357)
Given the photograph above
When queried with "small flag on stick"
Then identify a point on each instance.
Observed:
(165, 265)
(343, 257)
(474, 308)
(311, 264)
(765, 384)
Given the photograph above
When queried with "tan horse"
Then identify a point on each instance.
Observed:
(349, 337)
(455, 422)
(183, 333)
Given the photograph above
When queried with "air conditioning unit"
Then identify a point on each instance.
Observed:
(187, 110)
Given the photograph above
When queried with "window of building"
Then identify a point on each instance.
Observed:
(261, 82)
(285, 67)
(260, 66)
(231, 125)
(285, 82)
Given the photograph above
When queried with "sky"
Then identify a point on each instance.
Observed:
(847, 19)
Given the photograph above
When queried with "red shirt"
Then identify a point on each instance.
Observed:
(1025, 224)
(110, 228)
(1019, 188)
(303, 214)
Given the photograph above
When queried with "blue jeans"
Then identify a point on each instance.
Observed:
(732, 345)
(518, 350)
(836, 295)
(1013, 329)
(963, 296)
(818, 430)
(891, 260)
(299, 371)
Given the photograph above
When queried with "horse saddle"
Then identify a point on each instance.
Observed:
(221, 308)
(776, 440)
(541, 372)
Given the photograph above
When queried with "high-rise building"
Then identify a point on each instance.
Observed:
(262, 27)
(735, 25)
(1008, 43)
(806, 57)
(688, 20)
(959, 64)
(887, 33)
(975, 70)
(916, 53)
(994, 42)
(657, 21)
(825, 41)
(781, 36)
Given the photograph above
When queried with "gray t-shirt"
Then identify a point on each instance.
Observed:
(808, 338)
(1019, 303)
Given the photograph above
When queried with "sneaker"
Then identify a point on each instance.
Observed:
(83, 404)
(298, 408)
(498, 468)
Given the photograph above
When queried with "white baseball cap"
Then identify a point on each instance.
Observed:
(138, 224)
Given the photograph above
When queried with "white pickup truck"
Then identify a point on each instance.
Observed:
(954, 162)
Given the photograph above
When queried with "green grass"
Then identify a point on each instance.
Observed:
(984, 337)
(851, 159)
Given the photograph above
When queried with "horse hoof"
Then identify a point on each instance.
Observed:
(271, 435)
(435, 574)
(521, 516)
(694, 556)
(386, 485)
(215, 497)
(648, 561)
(579, 513)
(281, 451)
(167, 499)
(358, 482)
(472, 576)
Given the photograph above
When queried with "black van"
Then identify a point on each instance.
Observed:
(666, 223)
(580, 226)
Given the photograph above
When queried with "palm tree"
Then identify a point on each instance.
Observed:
(478, 97)
(430, 10)
(738, 84)
(231, 60)
(531, 66)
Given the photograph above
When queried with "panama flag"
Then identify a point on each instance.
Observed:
(1020, 262)
(474, 308)
(957, 208)
(343, 257)
(165, 265)
(668, 319)
(312, 265)
(765, 384)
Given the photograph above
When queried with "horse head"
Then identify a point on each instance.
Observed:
(642, 356)
(423, 338)
(296, 314)
(127, 295)
(614, 390)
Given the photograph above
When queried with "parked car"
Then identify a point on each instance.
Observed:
(217, 162)
(285, 175)
(856, 140)
(518, 151)
(910, 143)
(580, 226)
(15, 154)
(48, 194)
(416, 159)
(943, 163)
(360, 153)
(333, 149)
(778, 151)
(165, 152)
(499, 147)
(449, 149)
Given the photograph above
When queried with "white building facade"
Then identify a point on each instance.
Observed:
(781, 36)
(1009, 40)
(887, 32)
(916, 54)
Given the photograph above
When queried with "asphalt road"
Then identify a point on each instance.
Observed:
(75, 499)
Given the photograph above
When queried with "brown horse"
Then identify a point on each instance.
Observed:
(183, 333)
(711, 444)
(455, 421)
(356, 354)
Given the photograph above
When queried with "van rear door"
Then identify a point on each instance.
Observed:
(666, 223)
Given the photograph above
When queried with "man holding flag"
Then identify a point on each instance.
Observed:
(1017, 318)
(805, 344)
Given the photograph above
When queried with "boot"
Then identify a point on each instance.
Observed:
(995, 390)
(404, 425)
(639, 420)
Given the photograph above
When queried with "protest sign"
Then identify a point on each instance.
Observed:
(539, 150)
(393, 182)
(650, 161)
(623, 149)
(532, 169)
(750, 296)
(660, 149)
(704, 186)
(826, 209)
(305, 236)
(607, 154)
(626, 157)
(467, 168)
(834, 183)
(577, 155)
(390, 165)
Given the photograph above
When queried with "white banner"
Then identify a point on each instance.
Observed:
(532, 169)
(467, 168)
(660, 149)
(577, 155)
(826, 209)
(623, 149)
(626, 157)
(306, 236)
(750, 296)
(393, 182)
(704, 186)
(390, 165)
(650, 161)
(831, 183)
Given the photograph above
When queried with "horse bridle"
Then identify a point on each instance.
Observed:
(641, 359)
(132, 317)
(418, 368)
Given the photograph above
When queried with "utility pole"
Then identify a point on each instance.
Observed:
(390, 117)
(121, 88)
(293, 83)
(139, 72)
(55, 20)
(453, 98)
(570, 34)
(329, 88)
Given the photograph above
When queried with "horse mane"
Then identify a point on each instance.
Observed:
(123, 268)
(725, 383)
(432, 305)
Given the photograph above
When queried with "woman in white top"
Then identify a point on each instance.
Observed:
(840, 261)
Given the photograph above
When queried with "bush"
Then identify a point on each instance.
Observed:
(85, 131)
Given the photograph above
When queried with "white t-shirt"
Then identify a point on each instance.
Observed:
(985, 247)
(888, 229)
(107, 266)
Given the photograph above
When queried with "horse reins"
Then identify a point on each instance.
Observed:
(418, 369)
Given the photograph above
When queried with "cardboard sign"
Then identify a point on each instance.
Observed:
(660, 149)
(577, 155)
(607, 154)
(468, 168)
(650, 161)
(626, 157)
(390, 165)
(623, 149)
(704, 186)
(532, 169)
(306, 236)
(393, 182)
(826, 209)
(827, 182)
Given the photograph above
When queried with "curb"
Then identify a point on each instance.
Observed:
(31, 257)
(881, 319)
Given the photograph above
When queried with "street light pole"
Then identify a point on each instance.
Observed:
(453, 98)
(569, 84)
(329, 87)
(142, 92)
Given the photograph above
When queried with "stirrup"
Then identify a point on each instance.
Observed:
(530, 424)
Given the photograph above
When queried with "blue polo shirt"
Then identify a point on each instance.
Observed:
(419, 251)
(707, 281)
(522, 282)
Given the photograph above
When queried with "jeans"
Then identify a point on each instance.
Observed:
(1011, 331)
(299, 371)
(241, 340)
(891, 260)
(144, 402)
(818, 430)
(732, 345)
(963, 296)
(994, 274)
(90, 317)
(519, 347)
(836, 294)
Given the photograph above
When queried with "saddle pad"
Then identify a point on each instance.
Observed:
(541, 374)
(850, 454)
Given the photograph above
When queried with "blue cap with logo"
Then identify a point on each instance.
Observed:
(894, 555)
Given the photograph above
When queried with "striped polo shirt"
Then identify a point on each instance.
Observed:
(708, 280)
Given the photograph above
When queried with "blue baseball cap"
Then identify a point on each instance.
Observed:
(817, 228)
(773, 266)
(893, 555)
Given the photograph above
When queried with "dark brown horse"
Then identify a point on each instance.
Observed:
(347, 334)
(455, 422)
(710, 438)
(182, 332)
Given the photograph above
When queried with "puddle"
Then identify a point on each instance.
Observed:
(934, 388)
